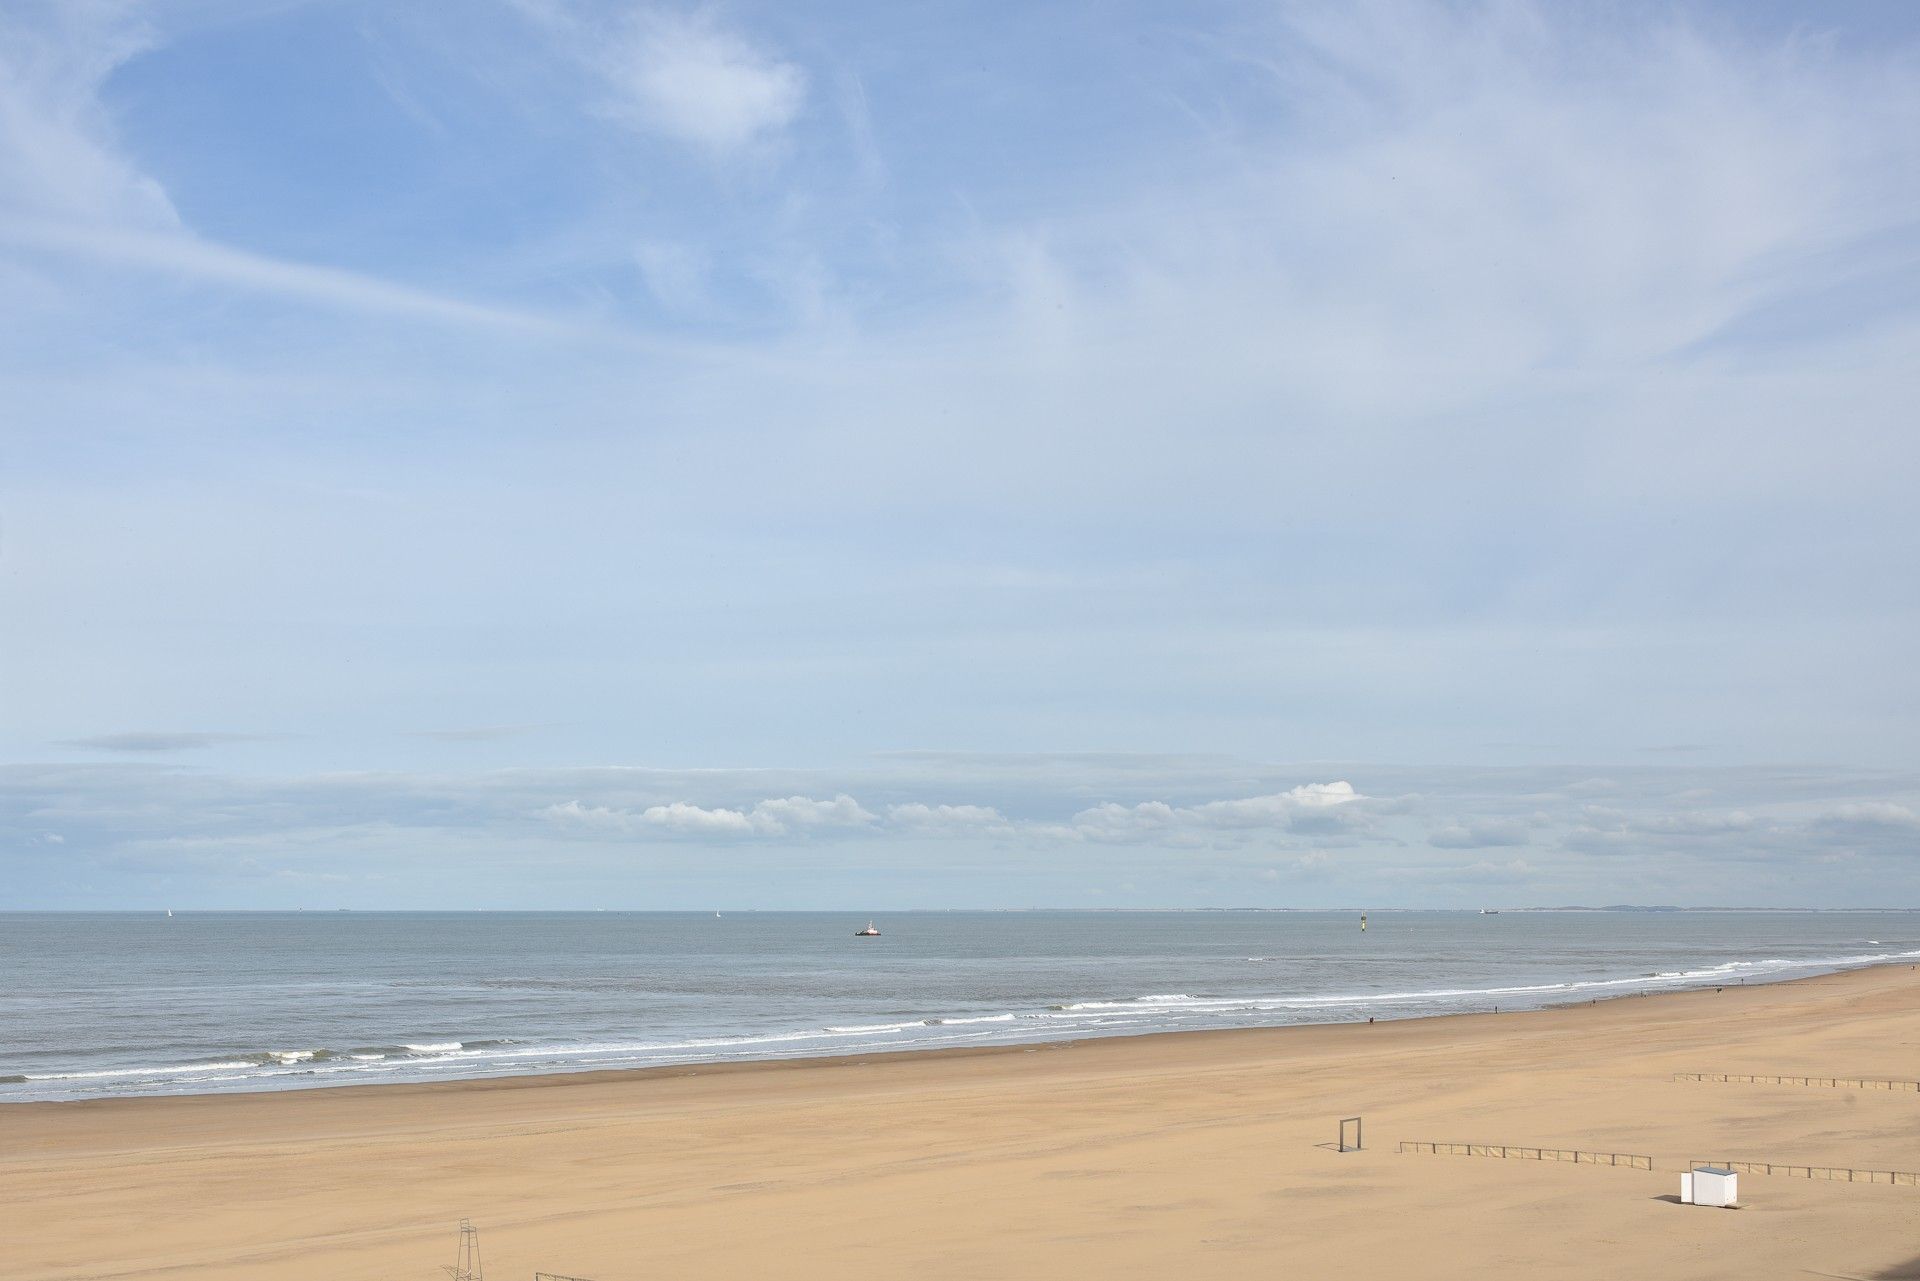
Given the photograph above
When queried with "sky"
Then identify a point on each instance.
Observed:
(563, 454)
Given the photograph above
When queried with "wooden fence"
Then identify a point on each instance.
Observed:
(1636, 1161)
(1833, 1173)
(1576, 1156)
(1826, 1082)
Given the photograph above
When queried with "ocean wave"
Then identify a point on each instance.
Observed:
(1156, 998)
(110, 1073)
(1181, 1003)
(436, 1055)
(984, 1018)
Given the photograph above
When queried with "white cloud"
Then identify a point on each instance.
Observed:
(1303, 808)
(779, 816)
(1263, 811)
(1308, 806)
(791, 828)
(603, 818)
(803, 812)
(695, 820)
(685, 77)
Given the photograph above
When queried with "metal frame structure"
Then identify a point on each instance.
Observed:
(1354, 1121)
(466, 1262)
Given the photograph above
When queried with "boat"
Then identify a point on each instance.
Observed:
(1489, 911)
(868, 933)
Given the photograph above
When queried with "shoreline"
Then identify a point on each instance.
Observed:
(1204, 1154)
(730, 1067)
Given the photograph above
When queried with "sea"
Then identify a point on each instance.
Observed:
(108, 1005)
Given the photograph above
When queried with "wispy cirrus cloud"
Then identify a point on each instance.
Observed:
(159, 741)
(1206, 415)
(181, 254)
(59, 153)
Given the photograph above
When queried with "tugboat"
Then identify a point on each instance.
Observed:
(868, 933)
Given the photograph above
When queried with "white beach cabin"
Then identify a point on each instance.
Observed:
(1709, 1185)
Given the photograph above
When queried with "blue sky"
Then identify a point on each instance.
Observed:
(576, 454)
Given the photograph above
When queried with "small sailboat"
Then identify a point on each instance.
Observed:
(169, 914)
(868, 933)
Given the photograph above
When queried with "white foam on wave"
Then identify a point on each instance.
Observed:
(431, 1047)
(984, 1018)
(1181, 1003)
(136, 1071)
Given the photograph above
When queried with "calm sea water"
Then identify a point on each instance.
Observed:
(98, 1005)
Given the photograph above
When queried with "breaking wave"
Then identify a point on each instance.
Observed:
(440, 1056)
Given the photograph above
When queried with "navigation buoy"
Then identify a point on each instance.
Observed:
(1363, 922)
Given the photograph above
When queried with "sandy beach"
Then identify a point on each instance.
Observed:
(1191, 1155)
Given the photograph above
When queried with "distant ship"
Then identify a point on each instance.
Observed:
(1489, 911)
(868, 933)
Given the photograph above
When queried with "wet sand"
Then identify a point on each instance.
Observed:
(1191, 1155)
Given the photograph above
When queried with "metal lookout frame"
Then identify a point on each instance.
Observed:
(1353, 1121)
(466, 1263)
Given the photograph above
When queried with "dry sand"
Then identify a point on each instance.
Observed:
(1186, 1156)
